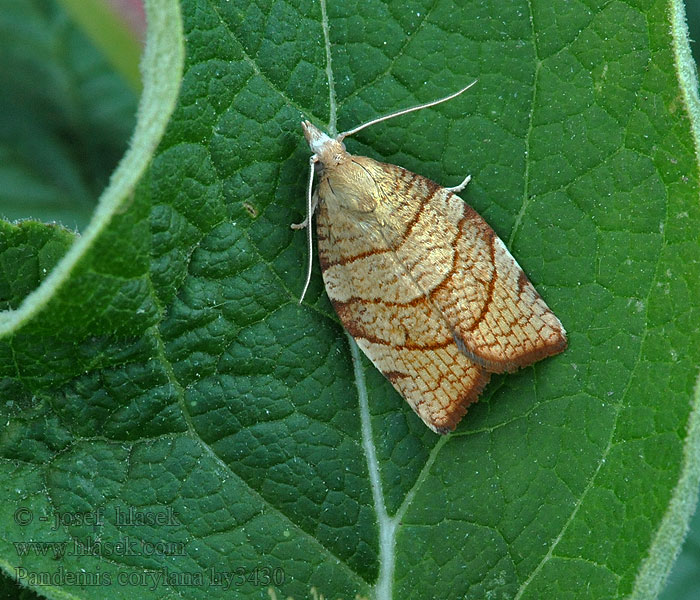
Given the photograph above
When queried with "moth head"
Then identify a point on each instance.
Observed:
(328, 150)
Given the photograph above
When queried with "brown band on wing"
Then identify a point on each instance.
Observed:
(523, 281)
(452, 418)
(394, 376)
(425, 294)
(404, 236)
(439, 385)
(492, 283)
(433, 188)
(349, 313)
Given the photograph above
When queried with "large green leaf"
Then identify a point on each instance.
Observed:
(165, 365)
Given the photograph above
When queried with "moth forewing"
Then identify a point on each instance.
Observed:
(424, 285)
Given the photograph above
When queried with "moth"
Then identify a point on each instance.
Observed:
(427, 289)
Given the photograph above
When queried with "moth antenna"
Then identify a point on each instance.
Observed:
(309, 214)
(345, 134)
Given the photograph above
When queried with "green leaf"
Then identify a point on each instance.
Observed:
(28, 253)
(163, 371)
(65, 116)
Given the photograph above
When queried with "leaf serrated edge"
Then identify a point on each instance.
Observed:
(162, 66)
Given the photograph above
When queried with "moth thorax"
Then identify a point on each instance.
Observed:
(352, 186)
(329, 151)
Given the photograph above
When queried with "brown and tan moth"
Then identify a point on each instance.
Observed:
(427, 289)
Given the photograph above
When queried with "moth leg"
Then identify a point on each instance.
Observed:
(461, 186)
(305, 223)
